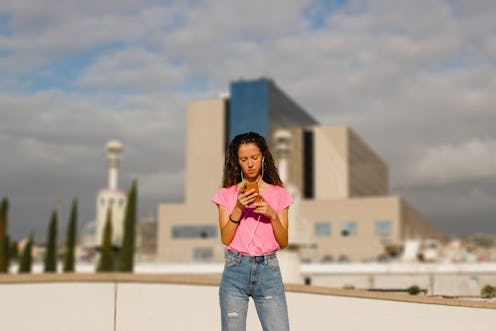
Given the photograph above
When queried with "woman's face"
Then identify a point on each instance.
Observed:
(250, 160)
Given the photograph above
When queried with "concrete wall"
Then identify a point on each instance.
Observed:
(145, 302)
(205, 142)
(368, 174)
(458, 280)
(331, 162)
(406, 223)
(365, 244)
(204, 166)
(345, 166)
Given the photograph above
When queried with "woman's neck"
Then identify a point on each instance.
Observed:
(253, 180)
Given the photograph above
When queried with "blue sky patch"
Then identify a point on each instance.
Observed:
(193, 84)
(63, 72)
(5, 28)
(456, 62)
(317, 11)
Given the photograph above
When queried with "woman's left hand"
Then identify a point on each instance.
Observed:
(279, 220)
(264, 208)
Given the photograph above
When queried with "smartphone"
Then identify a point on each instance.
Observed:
(254, 185)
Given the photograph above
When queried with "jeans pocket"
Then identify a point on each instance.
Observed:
(273, 263)
(231, 260)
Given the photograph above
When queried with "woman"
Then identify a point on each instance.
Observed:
(253, 232)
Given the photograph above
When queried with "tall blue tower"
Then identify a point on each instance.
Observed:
(260, 106)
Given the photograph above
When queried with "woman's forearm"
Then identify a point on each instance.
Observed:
(228, 223)
(280, 227)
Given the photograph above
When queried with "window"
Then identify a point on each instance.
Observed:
(202, 253)
(308, 165)
(343, 258)
(474, 281)
(322, 229)
(328, 258)
(383, 228)
(348, 228)
(194, 231)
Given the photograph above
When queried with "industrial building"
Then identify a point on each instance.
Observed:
(345, 211)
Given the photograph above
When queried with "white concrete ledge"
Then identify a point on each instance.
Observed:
(213, 280)
(136, 302)
(399, 268)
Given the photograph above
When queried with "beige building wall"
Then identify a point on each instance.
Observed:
(205, 141)
(186, 249)
(346, 166)
(364, 213)
(350, 185)
(365, 244)
(367, 174)
(330, 162)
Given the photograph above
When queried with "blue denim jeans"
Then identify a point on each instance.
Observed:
(258, 277)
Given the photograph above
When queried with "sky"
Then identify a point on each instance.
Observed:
(414, 79)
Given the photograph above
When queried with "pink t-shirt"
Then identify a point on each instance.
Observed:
(254, 235)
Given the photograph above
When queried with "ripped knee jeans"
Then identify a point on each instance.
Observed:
(258, 277)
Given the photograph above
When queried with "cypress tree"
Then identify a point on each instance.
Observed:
(51, 245)
(4, 240)
(11, 248)
(26, 256)
(126, 256)
(106, 262)
(13, 251)
(4, 208)
(70, 239)
(6, 249)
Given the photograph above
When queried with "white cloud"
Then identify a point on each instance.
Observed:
(168, 186)
(53, 144)
(134, 70)
(413, 78)
(42, 34)
(469, 160)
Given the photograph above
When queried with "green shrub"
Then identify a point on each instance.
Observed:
(488, 292)
(413, 290)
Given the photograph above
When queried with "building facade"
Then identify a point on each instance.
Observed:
(345, 209)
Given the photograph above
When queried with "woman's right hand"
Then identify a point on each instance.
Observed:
(245, 198)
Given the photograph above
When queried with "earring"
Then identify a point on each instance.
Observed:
(241, 175)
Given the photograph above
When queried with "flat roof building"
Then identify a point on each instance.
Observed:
(345, 207)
